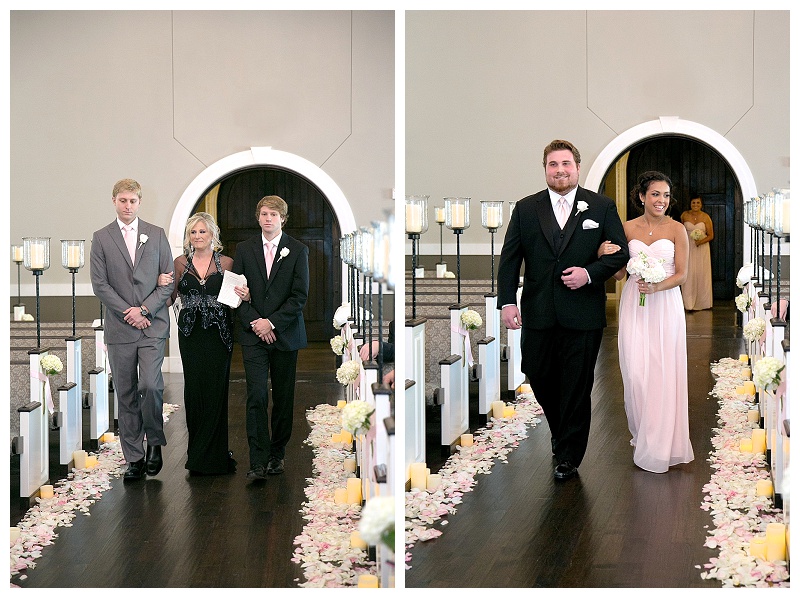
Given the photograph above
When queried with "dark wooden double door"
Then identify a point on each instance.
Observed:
(697, 169)
(311, 220)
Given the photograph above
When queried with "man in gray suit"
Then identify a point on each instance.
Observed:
(126, 259)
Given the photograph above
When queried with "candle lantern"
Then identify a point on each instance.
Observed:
(36, 258)
(72, 260)
(17, 257)
(492, 219)
(416, 224)
(456, 211)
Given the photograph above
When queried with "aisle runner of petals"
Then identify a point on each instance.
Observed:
(495, 441)
(738, 514)
(323, 548)
(80, 489)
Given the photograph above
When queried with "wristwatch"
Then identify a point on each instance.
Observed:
(144, 312)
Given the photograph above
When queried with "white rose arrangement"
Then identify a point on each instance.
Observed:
(337, 345)
(743, 302)
(648, 269)
(471, 320)
(51, 364)
(767, 373)
(754, 329)
(347, 373)
(355, 417)
(697, 235)
(377, 521)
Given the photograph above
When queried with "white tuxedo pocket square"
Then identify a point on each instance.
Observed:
(587, 224)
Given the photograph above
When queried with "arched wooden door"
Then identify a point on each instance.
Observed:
(697, 169)
(311, 220)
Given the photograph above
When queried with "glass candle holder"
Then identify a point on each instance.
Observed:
(416, 214)
(380, 252)
(492, 214)
(456, 212)
(439, 215)
(17, 254)
(36, 253)
(72, 254)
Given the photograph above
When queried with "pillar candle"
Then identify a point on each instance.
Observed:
(741, 390)
(776, 542)
(744, 358)
(417, 471)
(336, 438)
(340, 496)
(46, 491)
(367, 581)
(758, 547)
(434, 482)
(759, 440)
(497, 409)
(787, 216)
(37, 256)
(764, 488)
(73, 256)
(341, 403)
(80, 459)
(750, 388)
(350, 465)
(356, 541)
(525, 389)
(493, 217)
(354, 491)
(347, 437)
(413, 218)
(746, 445)
(91, 461)
(14, 533)
(466, 440)
(107, 437)
(508, 412)
(16, 251)
(746, 373)
(439, 214)
(753, 415)
(457, 218)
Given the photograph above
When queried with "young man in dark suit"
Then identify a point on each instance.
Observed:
(127, 257)
(272, 332)
(556, 234)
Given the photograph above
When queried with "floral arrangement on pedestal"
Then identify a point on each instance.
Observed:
(743, 302)
(767, 373)
(51, 364)
(348, 372)
(471, 320)
(337, 345)
(377, 521)
(355, 417)
(754, 329)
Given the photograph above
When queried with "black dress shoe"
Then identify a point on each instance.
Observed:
(231, 463)
(259, 472)
(565, 470)
(154, 461)
(275, 466)
(135, 470)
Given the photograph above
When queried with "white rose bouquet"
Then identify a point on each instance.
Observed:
(754, 329)
(697, 235)
(767, 373)
(341, 316)
(337, 345)
(648, 269)
(377, 521)
(51, 364)
(743, 302)
(471, 320)
(347, 373)
(355, 417)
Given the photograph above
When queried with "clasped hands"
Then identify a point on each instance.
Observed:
(264, 330)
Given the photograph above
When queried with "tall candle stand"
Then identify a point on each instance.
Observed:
(492, 219)
(366, 264)
(380, 265)
(416, 224)
(72, 260)
(36, 257)
(457, 219)
(441, 267)
(17, 257)
(414, 238)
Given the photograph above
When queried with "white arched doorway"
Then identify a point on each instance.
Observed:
(256, 156)
(672, 125)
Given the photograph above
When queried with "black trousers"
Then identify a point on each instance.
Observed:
(268, 432)
(559, 363)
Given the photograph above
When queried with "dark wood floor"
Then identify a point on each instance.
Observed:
(174, 530)
(613, 526)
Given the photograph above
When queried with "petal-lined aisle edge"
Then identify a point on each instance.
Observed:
(737, 513)
(81, 489)
(323, 548)
(495, 441)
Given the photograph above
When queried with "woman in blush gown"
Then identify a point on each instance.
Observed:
(652, 337)
(697, 290)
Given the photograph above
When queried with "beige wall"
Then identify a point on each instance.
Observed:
(486, 91)
(159, 96)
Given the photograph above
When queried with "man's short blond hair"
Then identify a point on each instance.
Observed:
(126, 185)
(273, 202)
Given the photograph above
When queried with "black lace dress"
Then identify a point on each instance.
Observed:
(205, 339)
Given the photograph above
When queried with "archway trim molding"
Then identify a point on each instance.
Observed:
(255, 156)
(666, 125)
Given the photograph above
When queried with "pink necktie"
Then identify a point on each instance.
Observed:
(130, 241)
(269, 256)
(563, 212)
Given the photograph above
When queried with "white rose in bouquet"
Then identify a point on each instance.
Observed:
(355, 417)
(767, 373)
(754, 329)
(347, 373)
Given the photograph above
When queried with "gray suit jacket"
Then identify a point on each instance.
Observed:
(120, 285)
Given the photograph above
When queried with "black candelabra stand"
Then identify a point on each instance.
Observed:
(441, 250)
(380, 333)
(370, 314)
(74, 271)
(414, 237)
(492, 231)
(778, 287)
(458, 232)
(19, 285)
(37, 274)
(771, 272)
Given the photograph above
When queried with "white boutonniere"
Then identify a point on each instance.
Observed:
(143, 239)
(582, 206)
(284, 252)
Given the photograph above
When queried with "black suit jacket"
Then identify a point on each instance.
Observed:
(280, 298)
(546, 300)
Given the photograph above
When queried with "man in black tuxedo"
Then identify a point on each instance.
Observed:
(273, 330)
(556, 234)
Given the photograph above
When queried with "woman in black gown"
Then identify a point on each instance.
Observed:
(205, 338)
